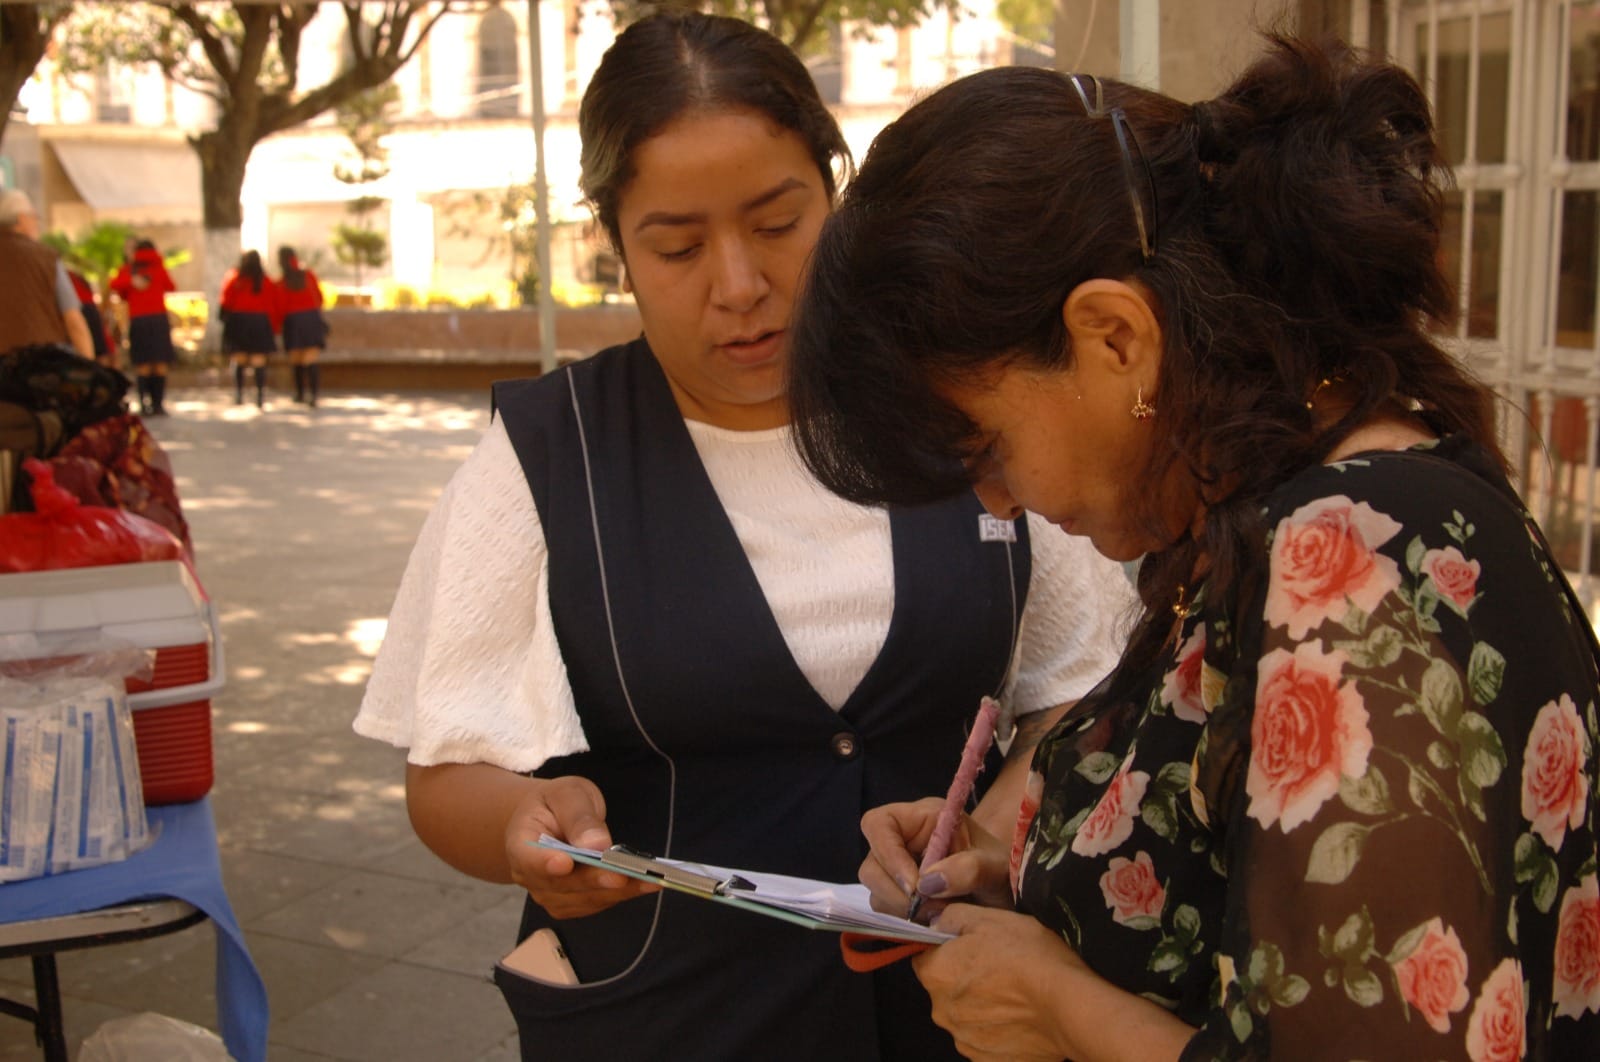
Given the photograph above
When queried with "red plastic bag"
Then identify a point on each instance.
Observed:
(62, 533)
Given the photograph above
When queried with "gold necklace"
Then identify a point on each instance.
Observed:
(1180, 612)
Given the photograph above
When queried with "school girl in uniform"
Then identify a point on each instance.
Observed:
(305, 330)
(249, 323)
(143, 283)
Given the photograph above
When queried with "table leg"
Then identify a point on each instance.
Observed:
(47, 989)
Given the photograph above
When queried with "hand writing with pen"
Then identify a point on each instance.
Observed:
(991, 985)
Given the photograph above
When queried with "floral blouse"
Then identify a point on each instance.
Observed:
(1362, 826)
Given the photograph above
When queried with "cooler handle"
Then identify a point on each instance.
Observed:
(195, 691)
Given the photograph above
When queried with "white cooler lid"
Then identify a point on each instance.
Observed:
(152, 605)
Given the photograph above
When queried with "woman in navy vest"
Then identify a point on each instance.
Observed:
(633, 617)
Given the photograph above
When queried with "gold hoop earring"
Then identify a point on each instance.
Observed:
(1142, 410)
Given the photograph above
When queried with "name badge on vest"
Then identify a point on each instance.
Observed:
(994, 529)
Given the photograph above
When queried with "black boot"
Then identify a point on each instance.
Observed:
(261, 387)
(313, 382)
(158, 396)
(299, 383)
(238, 384)
(144, 395)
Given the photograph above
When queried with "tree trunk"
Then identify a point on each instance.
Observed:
(220, 251)
(224, 153)
(24, 32)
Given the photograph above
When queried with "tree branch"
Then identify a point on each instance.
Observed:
(422, 34)
(257, 24)
(810, 14)
(352, 17)
(215, 48)
(292, 21)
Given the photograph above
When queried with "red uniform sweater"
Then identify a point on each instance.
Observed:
(308, 297)
(240, 296)
(143, 284)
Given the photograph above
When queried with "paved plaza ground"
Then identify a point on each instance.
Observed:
(370, 947)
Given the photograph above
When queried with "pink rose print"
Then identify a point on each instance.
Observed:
(1455, 577)
(1111, 821)
(1324, 559)
(1309, 731)
(1433, 978)
(1182, 691)
(1497, 1030)
(1577, 985)
(1132, 891)
(1031, 794)
(1555, 789)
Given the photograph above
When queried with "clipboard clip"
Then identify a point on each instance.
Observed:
(631, 859)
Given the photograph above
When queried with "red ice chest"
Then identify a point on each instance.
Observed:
(156, 605)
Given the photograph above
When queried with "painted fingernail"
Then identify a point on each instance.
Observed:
(931, 884)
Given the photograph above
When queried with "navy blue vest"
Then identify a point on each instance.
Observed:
(725, 743)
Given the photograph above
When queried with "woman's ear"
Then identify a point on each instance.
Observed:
(1113, 321)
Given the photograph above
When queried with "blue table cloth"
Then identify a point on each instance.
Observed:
(182, 863)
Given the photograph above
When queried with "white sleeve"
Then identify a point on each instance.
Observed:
(470, 670)
(1080, 609)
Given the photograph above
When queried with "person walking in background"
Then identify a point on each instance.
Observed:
(305, 330)
(249, 306)
(143, 283)
(104, 352)
(1338, 799)
(37, 301)
(633, 616)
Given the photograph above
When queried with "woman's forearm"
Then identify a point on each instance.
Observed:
(461, 810)
(1103, 1023)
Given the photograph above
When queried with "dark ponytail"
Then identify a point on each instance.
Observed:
(250, 269)
(294, 278)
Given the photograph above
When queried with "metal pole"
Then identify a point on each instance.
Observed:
(541, 194)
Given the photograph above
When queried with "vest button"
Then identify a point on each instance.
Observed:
(844, 746)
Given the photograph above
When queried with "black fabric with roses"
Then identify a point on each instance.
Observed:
(1362, 825)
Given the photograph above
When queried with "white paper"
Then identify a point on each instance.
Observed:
(839, 905)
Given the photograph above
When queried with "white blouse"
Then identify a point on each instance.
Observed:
(470, 670)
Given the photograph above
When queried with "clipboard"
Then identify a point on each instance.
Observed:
(801, 901)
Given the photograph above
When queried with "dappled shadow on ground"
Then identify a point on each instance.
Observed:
(302, 521)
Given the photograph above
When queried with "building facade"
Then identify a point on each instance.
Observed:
(1515, 85)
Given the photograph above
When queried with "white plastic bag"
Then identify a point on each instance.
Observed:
(151, 1037)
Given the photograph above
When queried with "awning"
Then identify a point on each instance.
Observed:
(136, 181)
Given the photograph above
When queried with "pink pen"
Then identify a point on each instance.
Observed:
(955, 801)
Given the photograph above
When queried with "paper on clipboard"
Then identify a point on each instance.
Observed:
(802, 901)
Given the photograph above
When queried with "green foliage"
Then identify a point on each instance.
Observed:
(246, 57)
(98, 35)
(1029, 20)
(507, 222)
(364, 119)
(97, 252)
(800, 22)
(360, 247)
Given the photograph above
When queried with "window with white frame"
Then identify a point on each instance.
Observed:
(113, 94)
(1515, 86)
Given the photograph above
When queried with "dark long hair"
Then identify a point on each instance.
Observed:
(675, 61)
(1296, 224)
(250, 267)
(294, 278)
